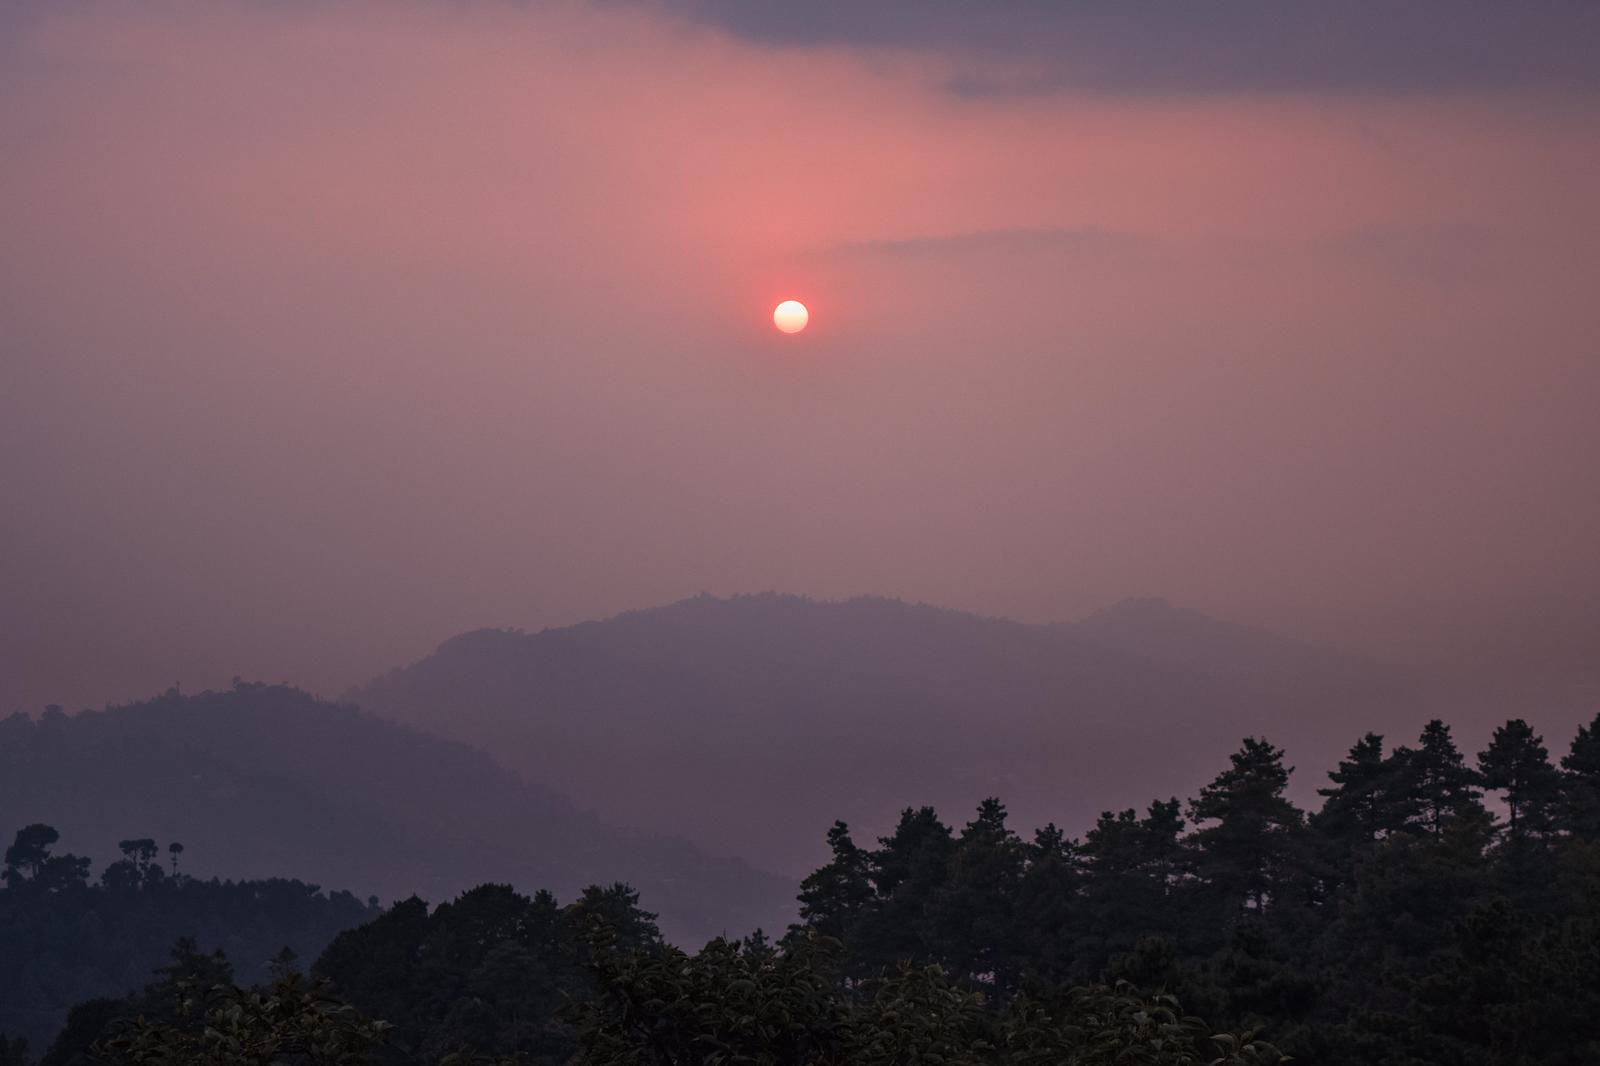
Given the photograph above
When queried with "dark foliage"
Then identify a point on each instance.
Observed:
(1402, 923)
(652, 1005)
(1432, 913)
(65, 940)
(195, 1014)
(486, 974)
(740, 1003)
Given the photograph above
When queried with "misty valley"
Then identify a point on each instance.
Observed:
(259, 875)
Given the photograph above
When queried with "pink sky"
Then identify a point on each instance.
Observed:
(327, 332)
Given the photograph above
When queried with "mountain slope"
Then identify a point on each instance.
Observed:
(267, 781)
(749, 724)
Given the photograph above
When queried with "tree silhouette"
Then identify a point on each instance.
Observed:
(1580, 806)
(834, 897)
(1254, 831)
(909, 869)
(976, 906)
(1436, 779)
(1367, 802)
(29, 852)
(1517, 764)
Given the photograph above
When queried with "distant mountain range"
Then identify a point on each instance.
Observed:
(266, 781)
(726, 733)
(747, 725)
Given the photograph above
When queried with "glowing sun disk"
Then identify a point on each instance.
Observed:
(791, 316)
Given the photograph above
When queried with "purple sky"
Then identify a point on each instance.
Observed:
(329, 331)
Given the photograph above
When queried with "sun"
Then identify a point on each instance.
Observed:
(791, 316)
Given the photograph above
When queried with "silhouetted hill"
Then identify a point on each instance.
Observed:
(267, 781)
(748, 724)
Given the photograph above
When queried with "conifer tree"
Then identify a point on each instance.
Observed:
(1048, 900)
(1253, 833)
(835, 896)
(1517, 764)
(908, 871)
(976, 907)
(1580, 781)
(1367, 802)
(1436, 780)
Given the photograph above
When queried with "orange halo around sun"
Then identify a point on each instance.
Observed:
(791, 316)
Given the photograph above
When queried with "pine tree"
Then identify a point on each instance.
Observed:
(834, 897)
(1367, 802)
(1580, 802)
(908, 871)
(1517, 764)
(1160, 838)
(1132, 868)
(1436, 780)
(1048, 903)
(1254, 832)
(976, 907)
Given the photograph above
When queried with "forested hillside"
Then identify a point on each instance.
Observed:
(1436, 908)
(734, 722)
(266, 781)
(67, 937)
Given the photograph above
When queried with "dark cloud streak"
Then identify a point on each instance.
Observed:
(1026, 46)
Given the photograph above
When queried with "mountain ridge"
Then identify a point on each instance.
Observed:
(270, 781)
(781, 713)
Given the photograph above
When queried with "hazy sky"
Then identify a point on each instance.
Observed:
(330, 330)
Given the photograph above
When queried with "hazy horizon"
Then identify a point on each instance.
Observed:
(327, 333)
(333, 685)
(1389, 641)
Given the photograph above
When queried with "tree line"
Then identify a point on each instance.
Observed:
(1404, 921)
(498, 977)
(1432, 910)
(65, 939)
